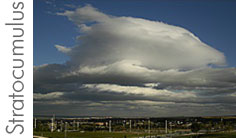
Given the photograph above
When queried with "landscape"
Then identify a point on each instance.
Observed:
(134, 69)
(105, 127)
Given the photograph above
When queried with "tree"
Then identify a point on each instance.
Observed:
(195, 127)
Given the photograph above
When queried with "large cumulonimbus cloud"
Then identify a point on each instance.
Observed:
(133, 66)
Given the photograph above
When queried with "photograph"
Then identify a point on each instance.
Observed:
(133, 68)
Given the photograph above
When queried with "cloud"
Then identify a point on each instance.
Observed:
(85, 14)
(139, 91)
(152, 85)
(63, 49)
(154, 44)
(128, 73)
(52, 95)
(134, 66)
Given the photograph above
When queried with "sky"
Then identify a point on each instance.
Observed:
(130, 58)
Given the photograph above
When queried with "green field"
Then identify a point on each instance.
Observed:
(214, 135)
(122, 135)
(89, 134)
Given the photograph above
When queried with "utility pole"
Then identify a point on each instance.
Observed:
(166, 127)
(74, 124)
(149, 126)
(109, 125)
(77, 125)
(124, 123)
(65, 130)
(52, 123)
(130, 125)
(35, 122)
(61, 126)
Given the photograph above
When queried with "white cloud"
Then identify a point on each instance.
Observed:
(48, 96)
(63, 49)
(151, 84)
(149, 92)
(85, 14)
(153, 44)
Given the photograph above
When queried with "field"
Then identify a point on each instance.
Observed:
(123, 135)
(214, 135)
(89, 134)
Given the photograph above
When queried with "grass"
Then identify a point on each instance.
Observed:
(123, 134)
(88, 134)
(214, 135)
